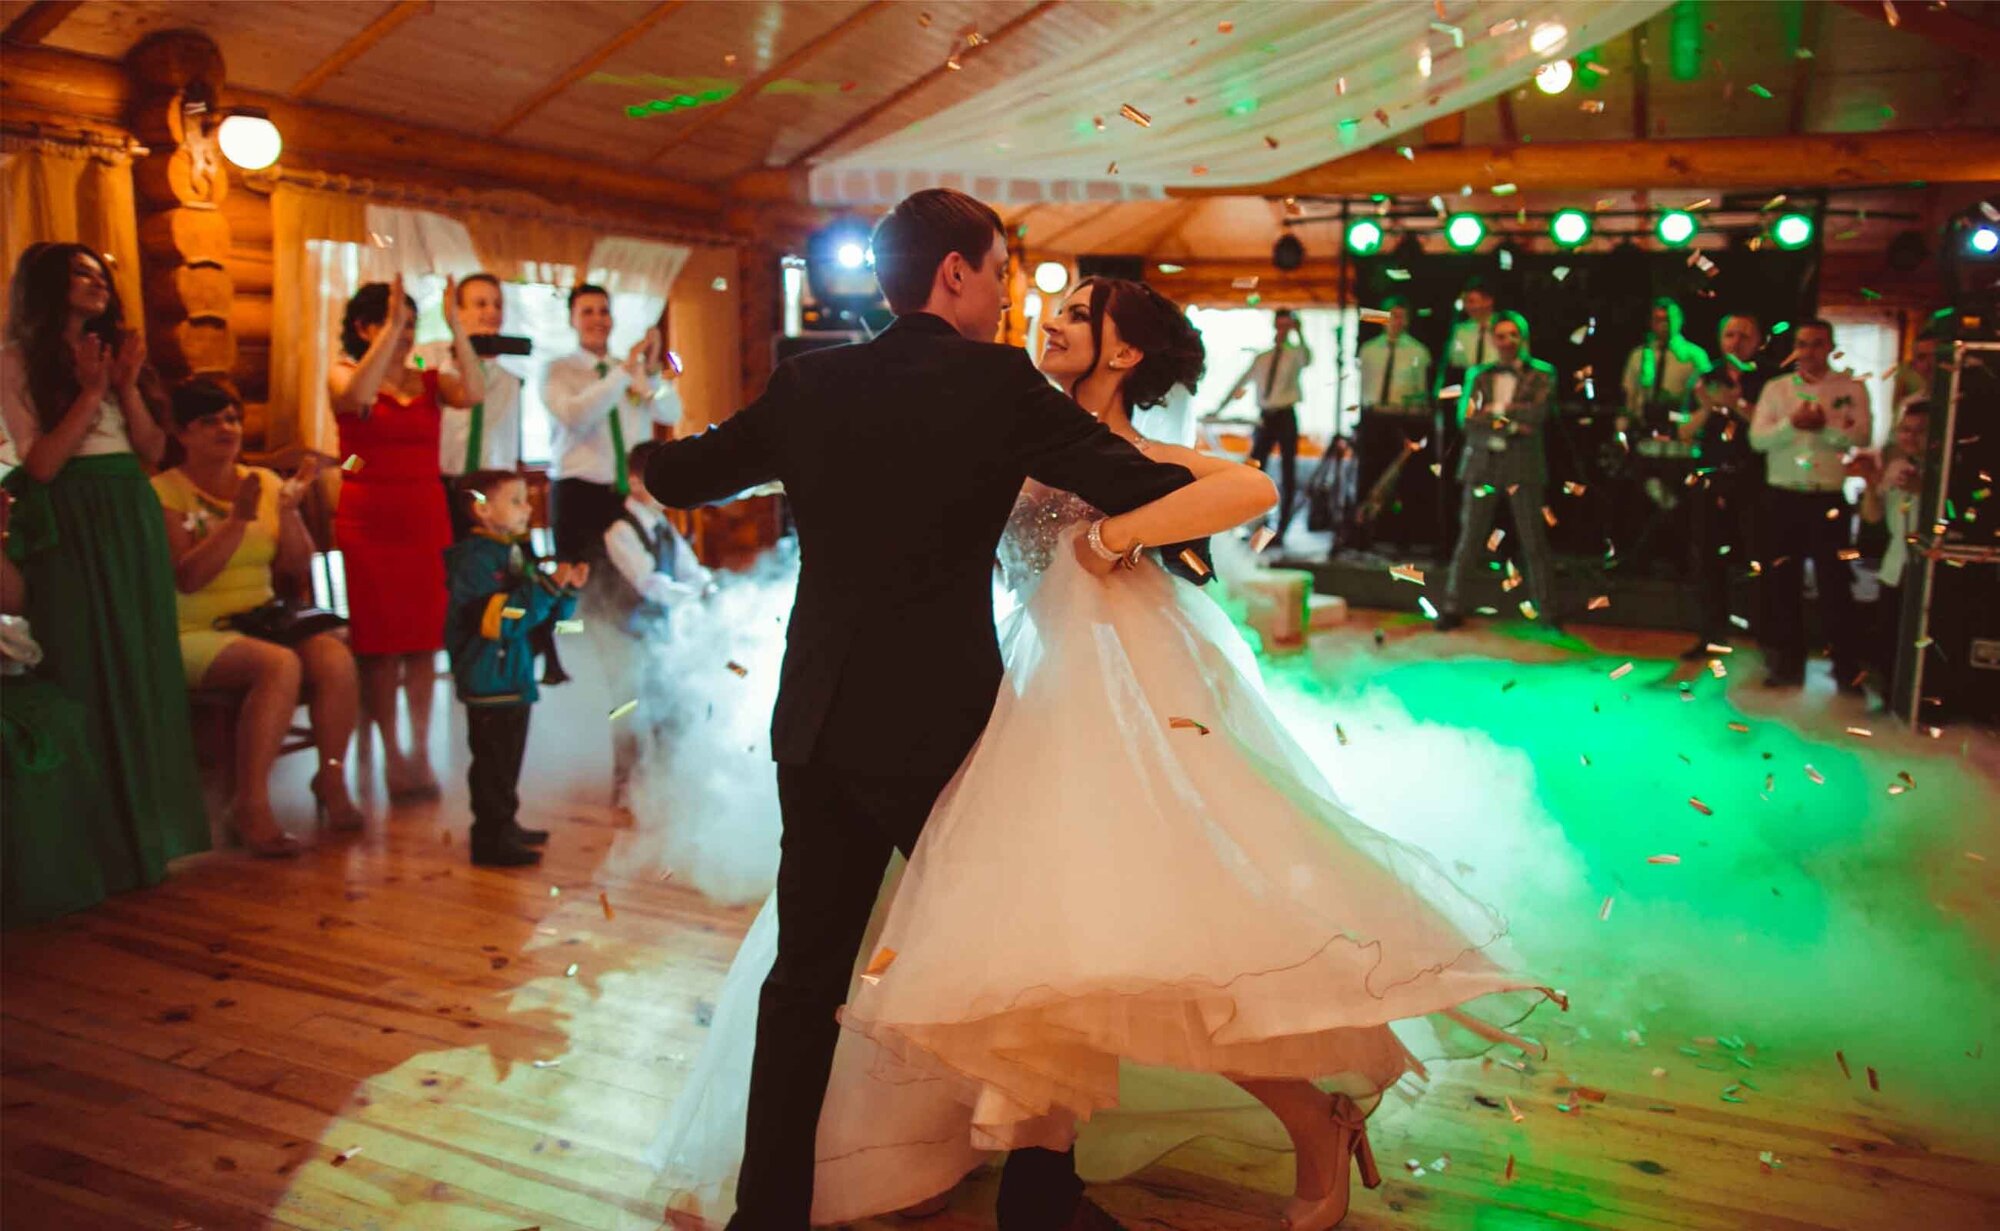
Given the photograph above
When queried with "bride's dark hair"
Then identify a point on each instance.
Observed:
(1148, 320)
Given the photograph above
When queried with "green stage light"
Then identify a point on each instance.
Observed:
(1792, 231)
(1675, 228)
(1570, 228)
(1364, 238)
(1464, 231)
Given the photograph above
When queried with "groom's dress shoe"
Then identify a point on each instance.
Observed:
(1090, 1216)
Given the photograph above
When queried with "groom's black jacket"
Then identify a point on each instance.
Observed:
(902, 457)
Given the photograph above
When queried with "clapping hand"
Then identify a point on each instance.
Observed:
(293, 491)
(130, 360)
(399, 308)
(93, 364)
(572, 576)
(1809, 417)
(450, 306)
(244, 507)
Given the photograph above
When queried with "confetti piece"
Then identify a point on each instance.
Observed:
(353, 464)
(624, 709)
(1494, 539)
(565, 627)
(1528, 609)
(604, 900)
(1904, 774)
(1270, 142)
(1573, 488)
(1666, 859)
(738, 668)
(1890, 15)
(1263, 538)
(1111, 169)
(1874, 1082)
(1518, 1117)
(1407, 572)
(1598, 603)
(1199, 169)
(1136, 116)
(1861, 732)
(1818, 778)
(924, 20)
(571, 972)
(555, 891)
(1621, 672)
(1768, 1161)
(1340, 85)
(1510, 1162)
(1592, 106)
(1340, 734)
(1585, 758)
(513, 613)
(1604, 911)
(1759, 90)
(1700, 807)
(1225, 27)
(548, 1064)
(878, 965)
(1192, 559)
(1186, 724)
(340, 1159)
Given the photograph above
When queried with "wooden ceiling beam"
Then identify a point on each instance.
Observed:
(38, 21)
(374, 32)
(1942, 26)
(588, 65)
(941, 70)
(64, 87)
(1951, 156)
(707, 117)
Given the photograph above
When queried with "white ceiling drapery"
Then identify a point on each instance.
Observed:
(1290, 86)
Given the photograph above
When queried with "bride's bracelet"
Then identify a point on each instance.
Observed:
(1095, 537)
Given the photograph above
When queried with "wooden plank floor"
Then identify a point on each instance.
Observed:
(380, 1036)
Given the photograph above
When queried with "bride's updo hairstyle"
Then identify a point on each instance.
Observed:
(1157, 327)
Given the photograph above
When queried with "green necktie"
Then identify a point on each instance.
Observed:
(475, 432)
(620, 480)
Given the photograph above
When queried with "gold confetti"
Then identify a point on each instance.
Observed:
(1598, 603)
(604, 900)
(1592, 106)
(353, 464)
(1186, 724)
(1528, 611)
(1833, 514)
(1494, 539)
(1199, 169)
(924, 20)
(1573, 489)
(1189, 99)
(513, 613)
(1264, 537)
(1861, 732)
(1700, 807)
(1741, 728)
(1818, 778)
(1270, 142)
(1874, 1082)
(1894, 19)
(1518, 1117)
(738, 668)
(1136, 116)
(1621, 672)
(1192, 559)
(1904, 774)
(1842, 1058)
(1407, 572)
(1548, 515)
(878, 965)
(340, 1159)
(1510, 1161)
(1666, 859)
(1604, 911)
(624, 709)
(1097, 121)
(1112, 169)
(729, 58)
(1340, 85)
(951, 62)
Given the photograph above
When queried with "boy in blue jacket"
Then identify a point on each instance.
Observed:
(499, 597)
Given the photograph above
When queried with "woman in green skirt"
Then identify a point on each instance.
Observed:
(87, 533)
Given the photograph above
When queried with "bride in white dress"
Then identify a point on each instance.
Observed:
(1135, 866)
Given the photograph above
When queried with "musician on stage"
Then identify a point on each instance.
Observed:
(1275, 374)
(1395, 413)
(1471, 340)
(1506, 410)
(1660, 374)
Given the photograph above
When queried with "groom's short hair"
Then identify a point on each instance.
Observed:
(915, 237)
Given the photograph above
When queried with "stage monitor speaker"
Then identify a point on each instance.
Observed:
(1130, 268)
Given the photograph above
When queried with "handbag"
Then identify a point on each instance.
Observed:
(283, 622)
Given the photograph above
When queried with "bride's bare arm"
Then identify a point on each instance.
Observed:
(1223, 495)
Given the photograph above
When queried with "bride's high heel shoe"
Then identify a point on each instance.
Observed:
(1350, 1135)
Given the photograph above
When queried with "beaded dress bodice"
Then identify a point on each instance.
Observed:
(1040, 516)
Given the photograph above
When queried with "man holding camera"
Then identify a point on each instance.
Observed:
(486, 436)
(1804, 425)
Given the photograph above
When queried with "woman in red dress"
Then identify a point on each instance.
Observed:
(391, 525)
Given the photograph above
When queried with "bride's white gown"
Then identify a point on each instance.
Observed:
(1098, 885)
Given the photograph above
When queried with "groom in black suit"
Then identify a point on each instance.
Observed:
(902, 458)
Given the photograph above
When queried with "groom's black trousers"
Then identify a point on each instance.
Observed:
(840, 826)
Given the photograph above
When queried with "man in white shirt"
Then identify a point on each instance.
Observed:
(601, 409)
(1275, 375)
(1396, 412)
(1660, 375)
(1471, 342)
(486, 436)
(1804, 425)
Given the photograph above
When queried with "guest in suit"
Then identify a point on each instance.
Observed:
(1505, 412)
(1726, 474)
(903, 457)
(1275, 375)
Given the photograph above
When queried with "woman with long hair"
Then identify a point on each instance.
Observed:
(1135, 868)
(392, 525)
(237, 538)
(86, 532)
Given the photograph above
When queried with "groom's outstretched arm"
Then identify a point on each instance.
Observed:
(1061, 445)
(728, 458)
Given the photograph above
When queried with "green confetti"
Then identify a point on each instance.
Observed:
(1870, 294)
(1760, 91)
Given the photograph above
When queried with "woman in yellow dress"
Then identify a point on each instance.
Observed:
(233, 530)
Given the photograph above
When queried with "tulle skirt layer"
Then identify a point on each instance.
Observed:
(1137, 866)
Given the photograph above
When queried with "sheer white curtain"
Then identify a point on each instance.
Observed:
(647, 267)
(413, 242)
